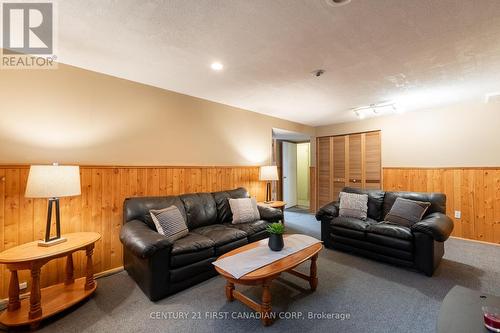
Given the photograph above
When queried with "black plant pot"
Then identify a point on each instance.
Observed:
(276, 242)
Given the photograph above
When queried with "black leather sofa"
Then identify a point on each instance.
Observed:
(161, 267)
(420, 247)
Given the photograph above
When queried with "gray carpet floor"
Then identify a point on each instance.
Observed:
(365, 295)
(298, 209)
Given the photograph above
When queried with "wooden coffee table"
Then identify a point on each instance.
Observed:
(265, 275)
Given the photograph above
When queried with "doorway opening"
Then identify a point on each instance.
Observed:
(292, 155)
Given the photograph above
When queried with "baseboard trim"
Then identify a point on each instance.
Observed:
(475, 241)
(305, 203)
(5, 301)
(108, 272)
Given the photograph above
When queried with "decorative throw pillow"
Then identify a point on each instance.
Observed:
(244, 210)
(407, 212)
(353, 205)
(170, 222)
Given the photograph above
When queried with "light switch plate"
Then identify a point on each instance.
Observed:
(458, 214)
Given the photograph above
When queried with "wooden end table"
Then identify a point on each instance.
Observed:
(45, 302)
(276, 204)
(265, 275)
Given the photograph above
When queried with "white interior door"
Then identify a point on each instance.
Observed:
(290, 174)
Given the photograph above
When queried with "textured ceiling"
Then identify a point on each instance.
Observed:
(421, 53)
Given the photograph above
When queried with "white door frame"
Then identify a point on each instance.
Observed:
(289, 172)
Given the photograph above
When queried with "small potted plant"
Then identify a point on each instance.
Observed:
(276, 231)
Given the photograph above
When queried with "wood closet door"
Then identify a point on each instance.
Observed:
(350, 160)
(355, 161)
(373, 165)
(339, 165)
(325, 168)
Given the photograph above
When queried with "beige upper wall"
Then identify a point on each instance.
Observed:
(71, 115)
(455, 136)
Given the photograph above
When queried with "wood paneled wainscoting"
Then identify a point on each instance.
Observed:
(475, 192)
(100, 207)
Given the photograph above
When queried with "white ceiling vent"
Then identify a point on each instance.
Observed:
(337, 3)
(492, 98)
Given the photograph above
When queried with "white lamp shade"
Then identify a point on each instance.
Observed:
(268, 173)
(53, 181)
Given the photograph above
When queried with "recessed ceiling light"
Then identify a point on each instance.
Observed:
(337, 3)
(217, 66)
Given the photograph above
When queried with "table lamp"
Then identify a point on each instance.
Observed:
(268, 174)
(53, 182)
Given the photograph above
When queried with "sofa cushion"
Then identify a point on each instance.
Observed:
(353, 205)
(258, 236)
(224, 214)
(352, 223)
(190, 249)
(345, 232)
(372, 248)
(375, 201)
(200, 209)
(391, 230)
(183, 259)
(390, 242)
(187, 272)
(220, 234)
(251, 227)
(221, 249)
(191, 243)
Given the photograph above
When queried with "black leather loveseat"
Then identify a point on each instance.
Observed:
(160, 267)
(420, 247)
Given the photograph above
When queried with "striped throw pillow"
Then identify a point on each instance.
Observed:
(244, 210)
(407, 212)
(169, 222)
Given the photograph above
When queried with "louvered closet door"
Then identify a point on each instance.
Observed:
(355, 176)
(372, 161)
(339, 167)
(324, 149)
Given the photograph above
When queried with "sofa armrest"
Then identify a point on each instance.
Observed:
(325, 215)
(328, 212)
(141, 240)
(270, 214)
(437, 225)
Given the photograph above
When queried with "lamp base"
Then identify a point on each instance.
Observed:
(57, 239)
(51, 242)
(268, 192)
